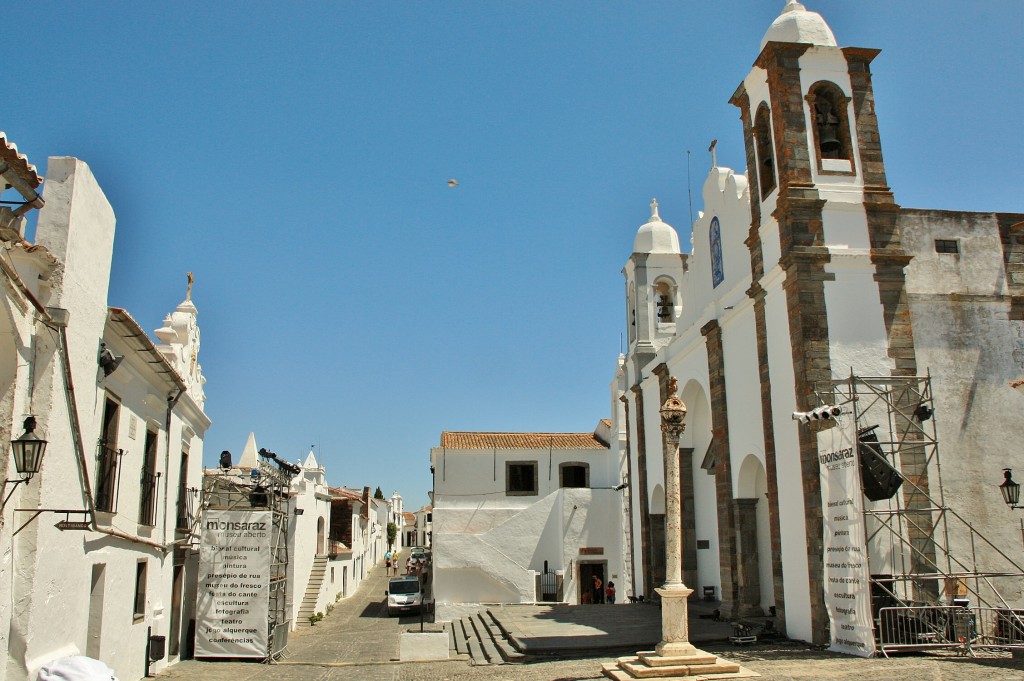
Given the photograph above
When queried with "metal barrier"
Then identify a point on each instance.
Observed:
(954, 627)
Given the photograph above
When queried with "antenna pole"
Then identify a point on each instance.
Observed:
(689, 189)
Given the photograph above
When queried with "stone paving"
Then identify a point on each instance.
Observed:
(359, 641)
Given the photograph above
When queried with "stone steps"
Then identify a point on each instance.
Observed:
(649, 665)
(313, 587)
(480, 637)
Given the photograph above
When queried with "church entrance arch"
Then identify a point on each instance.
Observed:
(698, 493)
(753, 532)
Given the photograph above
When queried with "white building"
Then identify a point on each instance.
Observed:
(309, 507)
(396, 516)
(524, 517)
(423, 521)
(123, 418)
(802, 274)
(335, 535)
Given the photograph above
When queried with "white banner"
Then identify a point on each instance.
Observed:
(847, 577)
(234, 584)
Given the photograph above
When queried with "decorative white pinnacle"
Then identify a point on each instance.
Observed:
(793, 6)
(654, 211)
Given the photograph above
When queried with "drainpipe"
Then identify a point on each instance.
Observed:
(171, 403)
(83, 466)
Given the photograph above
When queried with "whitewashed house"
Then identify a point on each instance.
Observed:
(423, 526)
(409, 528)
(309, 507)
(357, 538)
(93, 548)
(524, 517)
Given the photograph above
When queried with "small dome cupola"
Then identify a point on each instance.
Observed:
(797, 25)
(656, 236)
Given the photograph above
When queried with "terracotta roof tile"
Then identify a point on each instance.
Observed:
(18, 161)
(338, 493)
(465, 440)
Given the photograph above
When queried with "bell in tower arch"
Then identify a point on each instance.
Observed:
(828, 125)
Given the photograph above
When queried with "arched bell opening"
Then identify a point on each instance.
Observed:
(830, 124)
(765, 150)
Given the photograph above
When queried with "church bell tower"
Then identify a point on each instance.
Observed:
(824, 248)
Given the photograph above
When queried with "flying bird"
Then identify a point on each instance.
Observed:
(452, 183)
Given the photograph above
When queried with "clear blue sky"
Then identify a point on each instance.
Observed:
(295, 156)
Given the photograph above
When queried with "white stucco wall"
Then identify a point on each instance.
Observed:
(488, 546)
(50, 572)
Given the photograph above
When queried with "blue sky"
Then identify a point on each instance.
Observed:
(295, 157)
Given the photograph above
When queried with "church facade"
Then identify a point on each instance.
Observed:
(808, 286)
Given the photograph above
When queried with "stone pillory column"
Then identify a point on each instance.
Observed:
(674, 657)
(674, 627)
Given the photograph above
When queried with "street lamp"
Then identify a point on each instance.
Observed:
(28, 453)
(1010, 490)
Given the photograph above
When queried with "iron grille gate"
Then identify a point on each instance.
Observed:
(549, 587)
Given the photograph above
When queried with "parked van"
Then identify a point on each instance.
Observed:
(404, 595)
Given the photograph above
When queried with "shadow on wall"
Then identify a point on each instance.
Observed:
(472, 585)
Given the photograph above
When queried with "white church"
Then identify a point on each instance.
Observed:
(806, 285)
(828, 344)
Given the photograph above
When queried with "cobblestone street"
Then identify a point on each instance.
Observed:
(359, 641)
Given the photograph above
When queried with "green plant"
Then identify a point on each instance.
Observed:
(313, 619)
(392, 534)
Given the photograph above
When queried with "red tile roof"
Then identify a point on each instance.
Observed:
(18, 161)
(338, 493)
(464, 440)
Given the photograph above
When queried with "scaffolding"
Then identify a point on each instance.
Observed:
(265, 487)
(920, 550)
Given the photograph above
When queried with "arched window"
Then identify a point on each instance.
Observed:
(765, 150)
(717, 265)
(830, 122)
(574, 474)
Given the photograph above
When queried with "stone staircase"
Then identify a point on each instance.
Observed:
(316, 581)
(480, 637)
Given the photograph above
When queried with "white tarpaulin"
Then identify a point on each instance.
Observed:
(234, 583)
(847, 578)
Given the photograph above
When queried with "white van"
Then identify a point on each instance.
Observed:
(404, 595)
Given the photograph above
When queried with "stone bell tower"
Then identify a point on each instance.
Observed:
(825, 251)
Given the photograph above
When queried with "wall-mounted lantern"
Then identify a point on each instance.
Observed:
(1010, 490)
(28, 453)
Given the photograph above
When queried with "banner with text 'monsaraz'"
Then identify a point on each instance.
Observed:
(234, 581)
(846, 575)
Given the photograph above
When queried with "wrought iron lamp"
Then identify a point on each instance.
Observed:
(1010, 490)
(28, 453)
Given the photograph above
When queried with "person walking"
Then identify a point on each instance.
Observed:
(609, 593)
(598, 591)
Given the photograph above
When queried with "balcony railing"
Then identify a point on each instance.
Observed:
(186, 512)
(108, 478)
(147, 500)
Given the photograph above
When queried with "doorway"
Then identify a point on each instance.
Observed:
(94, 634)
(177, 591)
(585, 588)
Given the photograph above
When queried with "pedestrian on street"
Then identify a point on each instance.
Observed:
(609, 593)
(598, 591)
